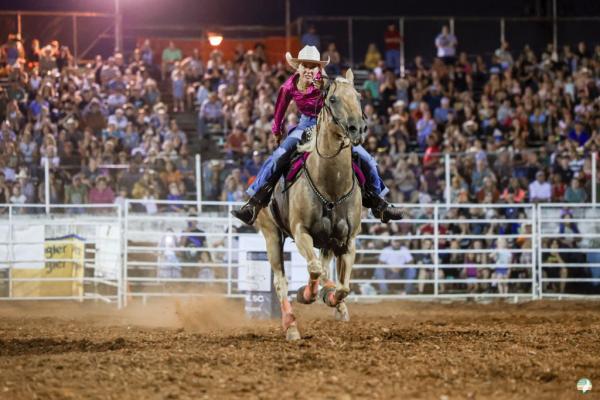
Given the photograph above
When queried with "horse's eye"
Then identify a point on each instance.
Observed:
(332, 99)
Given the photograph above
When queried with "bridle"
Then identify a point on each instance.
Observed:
(327, 107)
(328, 205)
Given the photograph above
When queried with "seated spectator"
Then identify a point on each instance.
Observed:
(334, 68)
(395, 256)
(442, 113)
(575, 193)
(540, 191)
(101, 193)
(211, 112)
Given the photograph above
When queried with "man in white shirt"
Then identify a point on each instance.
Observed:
(395, 257)
(446, 45)
(540, 190)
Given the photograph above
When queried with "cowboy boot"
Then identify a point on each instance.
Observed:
(380, 208)
(249, 211)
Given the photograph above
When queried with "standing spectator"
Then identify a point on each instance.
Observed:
(425, 127)
(392, 39)
(446, 46)
(425, 263)
(504, 57)
(555, 257)
(170, 55)
(395, 256)
(147, 54)
(178, 84)
(169, 265)
(540, 190)
(502, 269)
(311, 38)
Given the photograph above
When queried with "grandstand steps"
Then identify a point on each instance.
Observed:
(360, 76)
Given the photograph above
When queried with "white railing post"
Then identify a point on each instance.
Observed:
(198, 183)
(11, 257)
(350, 42)
(125, 247)
(533, 251)
(540, 259)
(229, 248)
(594, 177)
(436, 252)
(47, 184)
(447, 178)
(402, 55)
(502, 31)
(452, 25)
(123, 264)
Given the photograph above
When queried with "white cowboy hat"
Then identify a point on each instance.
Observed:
(308, 54)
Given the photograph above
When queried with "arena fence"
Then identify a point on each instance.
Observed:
(152, 248)
(71, 253)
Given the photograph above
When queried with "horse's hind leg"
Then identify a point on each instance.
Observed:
(274, 241)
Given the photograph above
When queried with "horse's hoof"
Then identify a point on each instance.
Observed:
(326, 295)
(300, 296)
(292, 333)
(341, 313)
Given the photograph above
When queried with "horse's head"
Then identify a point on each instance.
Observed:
(342, 103)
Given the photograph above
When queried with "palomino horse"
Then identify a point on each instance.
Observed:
(322, 208)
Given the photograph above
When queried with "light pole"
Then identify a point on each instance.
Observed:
(118, 27)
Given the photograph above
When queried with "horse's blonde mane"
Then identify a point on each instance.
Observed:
(311, 144)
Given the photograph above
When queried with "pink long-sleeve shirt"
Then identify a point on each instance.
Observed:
(309, 102)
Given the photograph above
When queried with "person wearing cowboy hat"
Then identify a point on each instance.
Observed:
(304, 88)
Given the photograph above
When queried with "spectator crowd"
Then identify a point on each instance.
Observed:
(520, 127)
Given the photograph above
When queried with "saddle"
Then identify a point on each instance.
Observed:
(280, 200)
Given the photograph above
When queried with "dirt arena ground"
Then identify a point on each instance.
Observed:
(206, 349)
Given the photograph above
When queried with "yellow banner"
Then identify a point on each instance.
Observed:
(69, 248)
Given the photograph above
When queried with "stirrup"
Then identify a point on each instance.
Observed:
(248, 212)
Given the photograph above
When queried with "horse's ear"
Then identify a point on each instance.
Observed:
(350, 76)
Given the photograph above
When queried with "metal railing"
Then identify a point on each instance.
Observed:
(77, 249)
(476, 35)
(154, 249)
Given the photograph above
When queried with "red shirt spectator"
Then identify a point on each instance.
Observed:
(101, 194)
(392, 38)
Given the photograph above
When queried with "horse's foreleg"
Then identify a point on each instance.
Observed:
(335, 298)
(275, 254)
(326, 257)
(304, 243)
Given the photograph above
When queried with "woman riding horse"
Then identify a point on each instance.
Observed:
(304, 87)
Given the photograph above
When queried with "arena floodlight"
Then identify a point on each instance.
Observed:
(215, 39)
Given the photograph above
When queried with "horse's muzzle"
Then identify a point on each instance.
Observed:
(355, 133)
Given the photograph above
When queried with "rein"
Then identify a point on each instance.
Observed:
(328, 205)
(336, 121)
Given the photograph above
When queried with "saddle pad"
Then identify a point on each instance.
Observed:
(299, 162)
